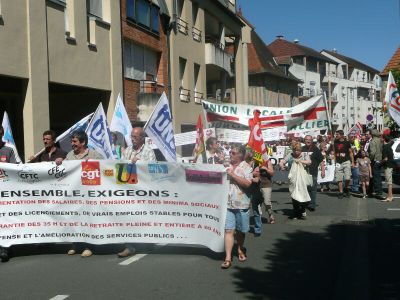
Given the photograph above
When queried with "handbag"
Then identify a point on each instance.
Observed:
(255, 194)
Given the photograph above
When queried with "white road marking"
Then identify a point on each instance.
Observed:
(60, 297)
(396, 197)
(393, 209)
(132, 259)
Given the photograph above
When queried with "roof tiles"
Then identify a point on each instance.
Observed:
(393, 64)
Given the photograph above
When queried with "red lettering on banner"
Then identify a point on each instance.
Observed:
(211, 117)
(90, 173)
(310, 114)
(395, 107)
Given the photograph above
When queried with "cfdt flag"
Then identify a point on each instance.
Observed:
(8, 136)
(392, 99)
(64, 139)
(98, 134)
(159, 128)
(256, 141)
(120, 121)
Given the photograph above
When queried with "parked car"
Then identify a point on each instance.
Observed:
(396, 148)
(396, 172)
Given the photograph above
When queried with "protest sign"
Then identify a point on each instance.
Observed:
(310, 115)
(111, 201)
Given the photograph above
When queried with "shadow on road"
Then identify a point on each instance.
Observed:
(344, 262)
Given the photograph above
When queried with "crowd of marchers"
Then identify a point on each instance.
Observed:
(360, 160)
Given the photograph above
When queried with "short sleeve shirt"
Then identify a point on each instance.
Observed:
(144, 153)
(7, 155)
(88, 154)
(363, 164)
(342, 151)
(237, 197)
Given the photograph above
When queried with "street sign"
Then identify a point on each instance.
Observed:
(370, 117)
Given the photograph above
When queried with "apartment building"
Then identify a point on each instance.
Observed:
(59, 59)
(354, 91)
(201, 66)
(145, 26)
(306, 64)
(269, 85)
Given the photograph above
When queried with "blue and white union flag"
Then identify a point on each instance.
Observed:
(99, 135)
(159, 128)
(8, 136)
(120, 121)
(64, 139)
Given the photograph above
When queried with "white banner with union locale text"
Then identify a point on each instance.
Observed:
(110, 201)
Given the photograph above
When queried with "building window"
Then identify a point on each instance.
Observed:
(298, 60)
(144, 13)
(140, 63)
(182, 67)
(154, 18)
(95, 8)
(130, 9)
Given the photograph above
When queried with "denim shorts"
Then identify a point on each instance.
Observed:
(238, 219)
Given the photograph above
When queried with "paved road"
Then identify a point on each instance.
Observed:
(347, 249)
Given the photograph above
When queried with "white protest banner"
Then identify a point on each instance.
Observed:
(186, 138)
(160, 129)
(111, 201)
(242, 136)
(310, 115)
(280, 151)
(329, 174)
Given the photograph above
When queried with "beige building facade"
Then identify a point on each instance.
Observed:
(208, 57)
(61, 59)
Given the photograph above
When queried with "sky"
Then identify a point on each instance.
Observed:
(366, 30)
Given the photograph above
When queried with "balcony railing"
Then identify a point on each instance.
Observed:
(214, 55)
(182, 26)
(196, 34)
(198, 97)
(184, 94)
(148, 86)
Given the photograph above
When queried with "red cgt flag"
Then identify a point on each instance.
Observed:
(199, 148)
(256, 141)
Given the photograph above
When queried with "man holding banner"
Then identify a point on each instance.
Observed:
(139, 150)
(80, 151)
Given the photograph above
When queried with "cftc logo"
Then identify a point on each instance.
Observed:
(126, 173)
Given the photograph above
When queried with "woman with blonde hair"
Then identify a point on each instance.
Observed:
(299, 179)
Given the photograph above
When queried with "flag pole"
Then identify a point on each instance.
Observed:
(328, 113)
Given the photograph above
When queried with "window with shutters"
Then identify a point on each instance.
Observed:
(140, 63)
